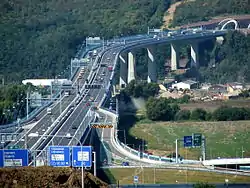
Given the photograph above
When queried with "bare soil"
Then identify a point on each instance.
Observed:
(34, 177)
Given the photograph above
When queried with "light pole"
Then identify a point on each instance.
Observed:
(67, 136)
(27, 105)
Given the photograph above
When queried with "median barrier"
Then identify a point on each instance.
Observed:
(57, 121)
(38, 110)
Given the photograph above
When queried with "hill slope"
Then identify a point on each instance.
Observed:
(39, 37)
(203, 10)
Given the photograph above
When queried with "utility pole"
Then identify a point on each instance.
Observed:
(61, 99)
(27, 105)
(203, 147)
(176, 151)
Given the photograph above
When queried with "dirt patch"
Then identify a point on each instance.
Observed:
(167, 19)
(30, 177)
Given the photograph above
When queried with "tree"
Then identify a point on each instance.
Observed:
(198, 114)
(182, 115)
(204, 185)
(160, 109)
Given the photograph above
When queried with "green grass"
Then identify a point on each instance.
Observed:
(223, 139)
(212, 105)
(146, 176)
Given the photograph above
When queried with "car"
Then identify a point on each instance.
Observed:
(125, 163)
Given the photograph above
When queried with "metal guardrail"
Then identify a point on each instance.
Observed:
(38, 110)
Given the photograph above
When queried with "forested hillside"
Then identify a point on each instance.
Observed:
(203, 10)
(39, 37)
(229, 62)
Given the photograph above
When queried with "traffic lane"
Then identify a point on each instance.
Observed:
(68, 127)
(64, 141)
(46, 122)
(71, 126)
(81, 109)
(40, 125)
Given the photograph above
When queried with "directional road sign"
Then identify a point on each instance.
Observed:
(82, 156)
(188, 141)
(136, 179)
(59, 156)
(1, 158)
(14, 157)
(197, 138)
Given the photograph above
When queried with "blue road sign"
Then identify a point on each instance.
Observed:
(1, 158)
(136, 179)
(59, 156)
(188, 141)
(14, 157)
(82, 156)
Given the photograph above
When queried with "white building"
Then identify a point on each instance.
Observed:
(188, 84)
(44, 82)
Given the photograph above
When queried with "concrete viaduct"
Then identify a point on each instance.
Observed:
(128, 59)
(191, 37)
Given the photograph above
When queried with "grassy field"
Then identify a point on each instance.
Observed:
(223, 139)
(146, 176)
(212, 105)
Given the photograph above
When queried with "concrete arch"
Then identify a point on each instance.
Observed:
(224, 21)
(228, 22)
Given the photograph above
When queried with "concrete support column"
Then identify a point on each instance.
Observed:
(152, 71)
(131, 66)
(175, 56)
(195, 54)
(123, 70)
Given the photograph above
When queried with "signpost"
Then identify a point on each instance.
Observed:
(136, 179)
(188, 141)
(59, 156)
(197, 139)
(14, 158)
(82, 156)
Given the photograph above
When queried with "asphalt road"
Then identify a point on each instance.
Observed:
(45, 120)
(70, 125)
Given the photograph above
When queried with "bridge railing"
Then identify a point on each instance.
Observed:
(40, 109)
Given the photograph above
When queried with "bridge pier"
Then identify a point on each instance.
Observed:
(152, 72)
(175, 56)
(131, 66)
(123, 70)
(195, 54)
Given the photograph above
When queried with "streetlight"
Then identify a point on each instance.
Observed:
(65, 136)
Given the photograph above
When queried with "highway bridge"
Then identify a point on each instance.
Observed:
(78, 111)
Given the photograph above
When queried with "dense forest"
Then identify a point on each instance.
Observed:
(203, 10)
(39, 37)
(228, 62)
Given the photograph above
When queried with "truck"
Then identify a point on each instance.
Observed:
(49, 111)
(110, 68)
(94, 52)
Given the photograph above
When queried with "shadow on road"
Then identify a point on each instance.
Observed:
(102, 155)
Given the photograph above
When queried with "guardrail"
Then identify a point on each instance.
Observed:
(38, 110)
(127, 148)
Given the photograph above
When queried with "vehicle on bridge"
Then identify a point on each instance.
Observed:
(110, 68)
(49, 111)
